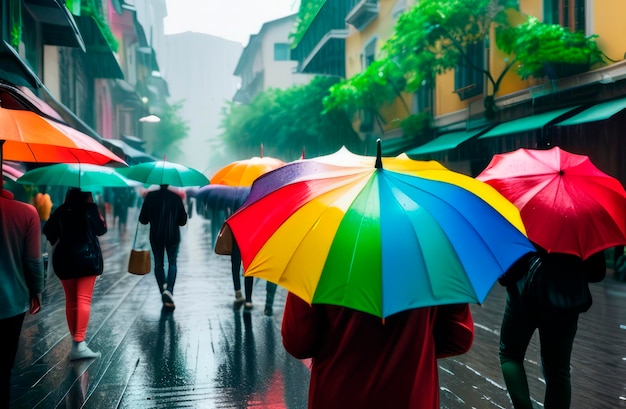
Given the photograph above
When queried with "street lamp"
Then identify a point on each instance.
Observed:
(150, 118)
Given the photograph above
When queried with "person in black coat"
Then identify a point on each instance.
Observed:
(546, 291)
(165, 211)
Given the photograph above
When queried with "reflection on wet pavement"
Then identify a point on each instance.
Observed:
(205, 354)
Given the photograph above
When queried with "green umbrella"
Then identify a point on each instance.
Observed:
(79, 175)
(164, 173)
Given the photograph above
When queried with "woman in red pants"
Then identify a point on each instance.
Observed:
(77, 261)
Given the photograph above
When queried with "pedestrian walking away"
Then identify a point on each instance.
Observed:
(223, 201)
(21, 279)
(545, 292)
(165, 211)
(270, 288)
(72, 231)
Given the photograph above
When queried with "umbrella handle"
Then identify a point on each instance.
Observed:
(1, 163)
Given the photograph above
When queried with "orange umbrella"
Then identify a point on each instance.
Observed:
(28, 137)
(244, 172)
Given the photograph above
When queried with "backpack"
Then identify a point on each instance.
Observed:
(78, 252)
(554, 290)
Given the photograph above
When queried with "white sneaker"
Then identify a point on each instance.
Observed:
(80, 350)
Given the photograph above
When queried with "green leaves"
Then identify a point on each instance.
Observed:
(540, 48)
(171, 129)
(288, 121)
(380, 83)
(306, 14)
(430, 38)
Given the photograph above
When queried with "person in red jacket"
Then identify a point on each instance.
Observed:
(361, 361)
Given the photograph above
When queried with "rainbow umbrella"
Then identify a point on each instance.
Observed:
(379, 235)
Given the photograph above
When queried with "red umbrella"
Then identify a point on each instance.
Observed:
(567, 204)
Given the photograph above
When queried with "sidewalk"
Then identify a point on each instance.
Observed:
(204, 354)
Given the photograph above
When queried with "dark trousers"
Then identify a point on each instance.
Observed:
(556, 338)
(11, 328)
(159, 250)
(270, 288)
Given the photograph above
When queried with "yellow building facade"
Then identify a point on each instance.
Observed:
(516, 98)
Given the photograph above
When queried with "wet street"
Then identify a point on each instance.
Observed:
(205, 354)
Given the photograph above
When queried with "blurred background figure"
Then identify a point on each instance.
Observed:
(123, 199)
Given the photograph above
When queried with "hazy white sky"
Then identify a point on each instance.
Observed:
(234, 20)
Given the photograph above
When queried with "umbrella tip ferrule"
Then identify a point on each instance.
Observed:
(379, 161)
(561, 172)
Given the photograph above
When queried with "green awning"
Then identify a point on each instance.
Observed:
(529, 123)
(444, 142)
(599, 112)
(395, 146)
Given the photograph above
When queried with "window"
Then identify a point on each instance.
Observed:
(369, 54)
(281, 52)
(468, 76)
(423, 98)
(566, 13)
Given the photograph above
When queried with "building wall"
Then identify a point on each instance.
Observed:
(603, 19)
(51, 70)
(378, 31)
(278, 74)
(607, 22)
(257, 66)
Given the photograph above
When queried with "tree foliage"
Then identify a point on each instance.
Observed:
(537, 46)
(432, 38)
(169, 131)
(382, 81)
(306, 14)
(286, 122)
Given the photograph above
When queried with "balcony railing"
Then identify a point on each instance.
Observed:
(322, 48)
(363, 13)
(250, 89)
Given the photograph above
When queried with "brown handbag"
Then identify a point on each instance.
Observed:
(139, 261)
(224, 242)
